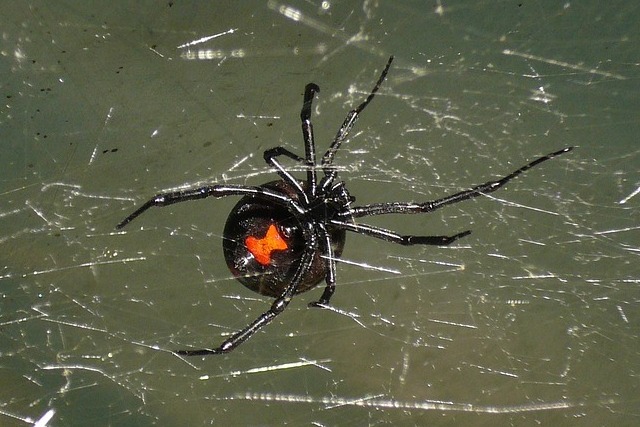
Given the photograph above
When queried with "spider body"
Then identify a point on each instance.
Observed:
(268, 268)
(283, 237)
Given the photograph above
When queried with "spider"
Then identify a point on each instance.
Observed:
(283, 237)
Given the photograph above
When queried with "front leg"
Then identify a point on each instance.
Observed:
(166, 199)
(270, 156)
(330, 266)
(239, 337)
(430, 206)
(276, 308)
(393, 237)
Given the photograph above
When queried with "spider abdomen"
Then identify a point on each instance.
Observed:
(263, 243)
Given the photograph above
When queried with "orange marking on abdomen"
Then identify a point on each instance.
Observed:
(261, 248)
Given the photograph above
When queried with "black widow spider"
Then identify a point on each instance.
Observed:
(284, 237)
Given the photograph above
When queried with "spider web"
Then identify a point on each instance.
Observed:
(531, 319)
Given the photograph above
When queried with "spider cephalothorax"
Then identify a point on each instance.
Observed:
(283, 237)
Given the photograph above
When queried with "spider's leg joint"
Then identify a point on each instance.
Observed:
(309, 92)
(312, 88)
(279, 305)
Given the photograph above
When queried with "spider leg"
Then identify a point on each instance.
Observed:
(238, 338)
(276, 308)
(379, 233)
(166, 199)
(270, 156)
(393, 237)
(271, 153)
(430, 206)
(309, 148)
(307, 133)
(330, 260)
(347, 125)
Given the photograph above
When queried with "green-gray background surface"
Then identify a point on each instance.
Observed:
(531, 320)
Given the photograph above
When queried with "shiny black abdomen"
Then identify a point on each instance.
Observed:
(252, 216)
